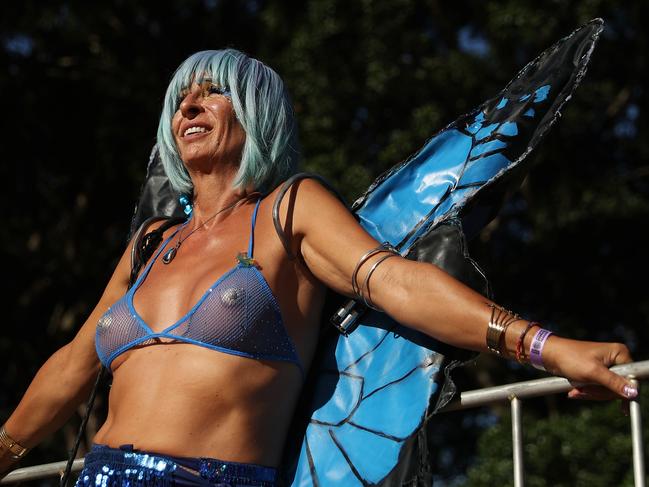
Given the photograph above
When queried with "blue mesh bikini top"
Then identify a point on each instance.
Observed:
(238, 315)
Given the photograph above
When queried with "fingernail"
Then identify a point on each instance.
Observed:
(630, 392)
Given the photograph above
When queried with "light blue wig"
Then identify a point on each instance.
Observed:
(262, 107)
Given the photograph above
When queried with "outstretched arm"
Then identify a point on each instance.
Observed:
(422, 296)
(64, 381)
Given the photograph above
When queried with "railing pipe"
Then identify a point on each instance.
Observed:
(636, 440)
(517, 441)
(40, 472)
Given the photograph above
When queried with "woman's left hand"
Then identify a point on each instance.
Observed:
(586, 366)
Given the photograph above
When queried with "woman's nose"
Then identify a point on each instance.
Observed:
(190, 105)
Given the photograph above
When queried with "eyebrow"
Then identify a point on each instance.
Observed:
(198, 81)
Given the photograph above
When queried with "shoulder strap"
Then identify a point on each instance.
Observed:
(251, 240)
(144, 244)
(280, 196)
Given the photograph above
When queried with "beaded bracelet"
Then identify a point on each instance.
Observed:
(520, 344)
(536, 349)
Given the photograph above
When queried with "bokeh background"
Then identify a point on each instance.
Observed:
(81, 87)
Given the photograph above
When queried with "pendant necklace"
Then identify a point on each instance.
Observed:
(171, 253)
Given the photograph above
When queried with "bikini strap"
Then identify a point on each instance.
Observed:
(251, 242)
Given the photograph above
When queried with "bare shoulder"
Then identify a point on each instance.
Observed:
(323, 232)
(306, 204)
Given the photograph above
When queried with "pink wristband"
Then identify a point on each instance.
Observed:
(536, 349)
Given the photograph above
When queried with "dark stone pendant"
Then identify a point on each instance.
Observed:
(169, 255)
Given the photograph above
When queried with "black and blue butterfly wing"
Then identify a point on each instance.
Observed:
(375, 387)
(479, 149)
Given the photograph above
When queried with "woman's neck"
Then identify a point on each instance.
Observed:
(214, 193)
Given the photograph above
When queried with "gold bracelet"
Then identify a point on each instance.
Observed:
(9, 444)
(498, 324)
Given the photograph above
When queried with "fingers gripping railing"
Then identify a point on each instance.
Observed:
(514, 393)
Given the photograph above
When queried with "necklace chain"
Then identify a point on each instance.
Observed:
(171, 253)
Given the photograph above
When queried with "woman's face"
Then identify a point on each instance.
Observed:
(205, 127)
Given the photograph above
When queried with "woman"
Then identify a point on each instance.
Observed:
(209, 348)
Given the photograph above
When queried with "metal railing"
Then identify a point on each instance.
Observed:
(43, 471)
(514, 393)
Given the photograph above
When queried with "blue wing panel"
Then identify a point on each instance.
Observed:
(350, 351)
(356, 443)
(489, 146)
(378, 407)
(485, 132)
(303, 474)
(383, 366)
(367, 406)
(480, 173)
(346, 398)
(397, 207)
(331, 466)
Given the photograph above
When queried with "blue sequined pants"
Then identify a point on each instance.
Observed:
(125, 467)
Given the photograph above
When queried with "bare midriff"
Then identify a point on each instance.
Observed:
(185, 400)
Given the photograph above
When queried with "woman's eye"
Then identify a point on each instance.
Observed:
(216, 89)
(207, 89)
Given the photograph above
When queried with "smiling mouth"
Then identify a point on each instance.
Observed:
(195, 131)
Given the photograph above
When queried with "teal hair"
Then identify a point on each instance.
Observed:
(262, 107)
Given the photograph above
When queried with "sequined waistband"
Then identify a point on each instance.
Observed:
(140, 465)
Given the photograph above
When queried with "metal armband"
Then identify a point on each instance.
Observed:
(345, 320)
(7, 443)
(500, 319)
